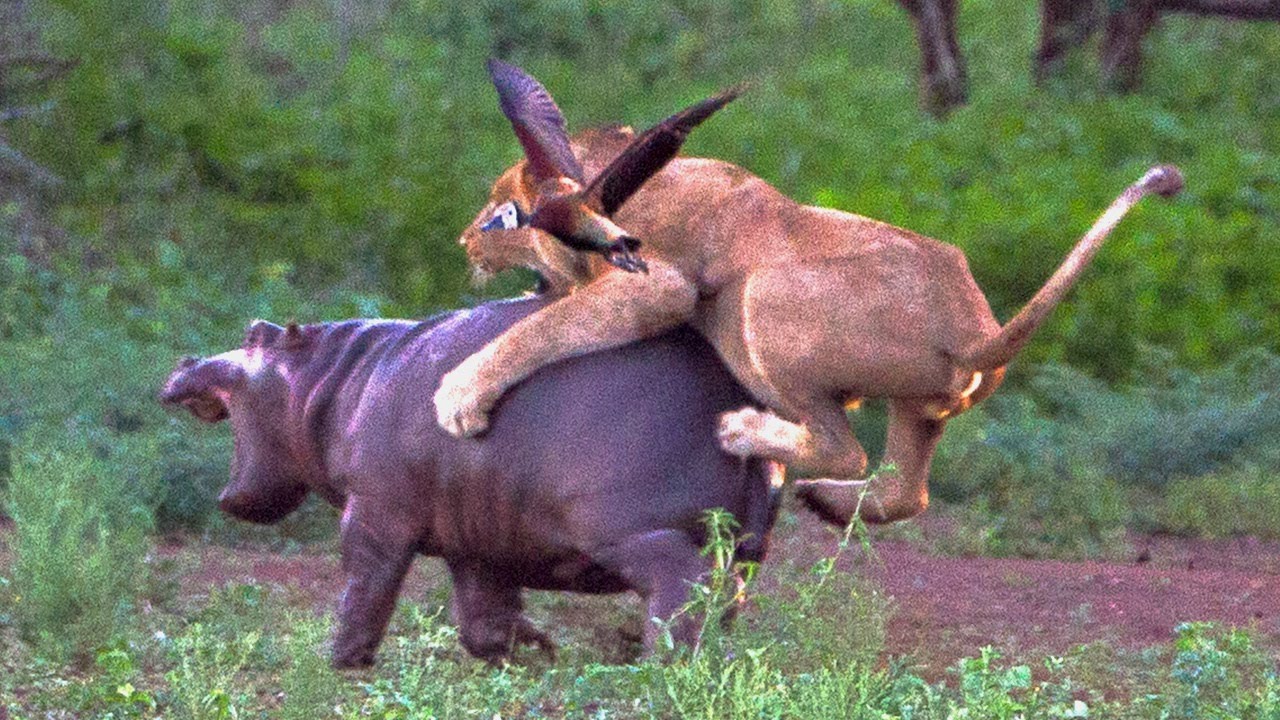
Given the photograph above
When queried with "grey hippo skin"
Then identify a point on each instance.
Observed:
(593, 478)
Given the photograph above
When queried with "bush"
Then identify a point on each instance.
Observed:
(78, 547)
(1218, 674)
(1030, 488)
(206, 682)
(1054, 459)
(1243, 501)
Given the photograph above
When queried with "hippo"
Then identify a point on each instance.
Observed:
(594, 478)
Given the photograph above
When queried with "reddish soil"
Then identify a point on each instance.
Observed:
(943, 608)
(947, 607)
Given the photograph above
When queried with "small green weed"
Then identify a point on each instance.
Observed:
(308, 683)
(206, 682)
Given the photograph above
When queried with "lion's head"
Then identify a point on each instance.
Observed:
(497, 239)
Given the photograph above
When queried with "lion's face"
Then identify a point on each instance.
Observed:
(497, 239)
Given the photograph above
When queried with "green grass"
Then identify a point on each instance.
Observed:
(247, 651)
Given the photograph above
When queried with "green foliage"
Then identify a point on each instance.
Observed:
(1026, 487)
(222, 665)
(78, 548)
(226, 160)
(1049, 470)
(308, 683)
(429, 679)
(1244, 501)
(353, 148)
(206, 681)
(1219, 674)
(113, 691)
(98, 358)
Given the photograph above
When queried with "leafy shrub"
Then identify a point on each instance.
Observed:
(1178, 423)
(1040, 492)
(1244, 501)
(352, 146)
(1218, 674)
(205, 682)
(308, 683)
(97, 360)
(78, 547)
(1054, 463)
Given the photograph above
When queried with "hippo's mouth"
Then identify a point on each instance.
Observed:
(209, 410)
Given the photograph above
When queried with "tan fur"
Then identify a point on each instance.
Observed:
(811, 308)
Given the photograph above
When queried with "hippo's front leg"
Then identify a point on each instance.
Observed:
(376, 553)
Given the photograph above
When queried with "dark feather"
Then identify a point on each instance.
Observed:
(649, 153)
(537, 120)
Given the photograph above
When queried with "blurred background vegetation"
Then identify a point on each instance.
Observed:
(175, 168)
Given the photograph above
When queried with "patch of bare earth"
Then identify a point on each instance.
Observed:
(945, 608)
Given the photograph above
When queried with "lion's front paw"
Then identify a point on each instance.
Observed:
(460, 410)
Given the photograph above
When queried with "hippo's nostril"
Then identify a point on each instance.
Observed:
(187, 361)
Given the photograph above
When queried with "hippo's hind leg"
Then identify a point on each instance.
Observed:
(376, 554)
(490, 613)
(661, 566)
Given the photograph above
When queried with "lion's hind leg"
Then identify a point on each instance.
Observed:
(900, 490)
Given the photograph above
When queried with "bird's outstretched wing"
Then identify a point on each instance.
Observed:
(649, 153)
(537, 120)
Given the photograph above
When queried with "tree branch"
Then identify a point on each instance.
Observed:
(38, 174)
(7, 114)
(1242, 9)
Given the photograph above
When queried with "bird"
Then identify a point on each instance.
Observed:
(578, 213)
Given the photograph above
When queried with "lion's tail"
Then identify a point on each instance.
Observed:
(998, 350)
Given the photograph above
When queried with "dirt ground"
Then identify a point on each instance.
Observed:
(943, 608)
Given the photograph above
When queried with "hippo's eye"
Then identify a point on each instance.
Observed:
(507, 216)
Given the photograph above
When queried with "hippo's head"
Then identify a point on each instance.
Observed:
(250, 386)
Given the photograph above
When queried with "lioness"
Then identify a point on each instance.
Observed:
(811, 308)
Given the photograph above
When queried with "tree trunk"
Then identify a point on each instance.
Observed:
(1122, 45)
(1064, 24)
(943, 80)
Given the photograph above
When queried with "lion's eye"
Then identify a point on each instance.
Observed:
(506, 217)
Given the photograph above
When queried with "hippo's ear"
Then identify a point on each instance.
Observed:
(261, 333)
(294, 338)
(204, 386)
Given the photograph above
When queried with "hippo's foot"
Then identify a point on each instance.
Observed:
(352, 658)
(752, 432)
(495, 642)
(461, 409)
(526, 634)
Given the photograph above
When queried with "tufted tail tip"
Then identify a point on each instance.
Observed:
(1163, 180)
